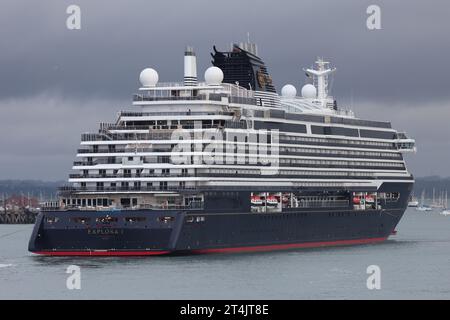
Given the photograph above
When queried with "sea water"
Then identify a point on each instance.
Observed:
(414, 264)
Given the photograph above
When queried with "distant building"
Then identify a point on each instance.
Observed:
(21, 202)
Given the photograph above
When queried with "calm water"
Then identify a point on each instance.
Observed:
(415, 264)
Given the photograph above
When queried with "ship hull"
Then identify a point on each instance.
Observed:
(213, 229)
(218, 233)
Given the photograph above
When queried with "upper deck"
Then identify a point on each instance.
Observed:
(167, 93)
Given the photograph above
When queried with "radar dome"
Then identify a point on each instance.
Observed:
(149, 77)
(309, 91)
(213, 76)
(289, 91)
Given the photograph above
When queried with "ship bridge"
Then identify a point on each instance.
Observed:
(404, 143)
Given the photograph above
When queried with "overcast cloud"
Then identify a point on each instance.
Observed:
(56, 83)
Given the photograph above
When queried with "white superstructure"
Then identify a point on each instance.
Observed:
(302, 141)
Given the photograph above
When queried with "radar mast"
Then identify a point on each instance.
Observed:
(320, 76)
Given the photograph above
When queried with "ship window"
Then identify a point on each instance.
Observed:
(135, 219)
(52, 219)
(377, 134)
(166, 219)
(125, 202)
(82, 220)
(107, 219)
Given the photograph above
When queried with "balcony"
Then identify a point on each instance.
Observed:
(112, 176)
(142, 97)
(67, 190)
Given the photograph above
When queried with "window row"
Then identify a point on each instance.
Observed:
(341, 152)
(338, 141)
(342, 163)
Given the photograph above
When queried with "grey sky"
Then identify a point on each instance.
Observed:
(56, 83)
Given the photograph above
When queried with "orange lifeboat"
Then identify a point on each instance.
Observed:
(272, 201)
(356, 200)
(256, 201)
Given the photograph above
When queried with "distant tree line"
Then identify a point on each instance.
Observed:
(42, 190)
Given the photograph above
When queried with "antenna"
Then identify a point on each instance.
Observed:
(320, 76)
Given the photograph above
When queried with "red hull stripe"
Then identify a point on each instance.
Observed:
(291, 246)
(102, 253)
(217, 250)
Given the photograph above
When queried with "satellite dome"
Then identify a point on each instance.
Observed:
(213, 76)
(289, 91)
(309, 91)
(149, 77)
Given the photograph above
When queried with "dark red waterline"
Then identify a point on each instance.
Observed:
(102, 253)
(291, 246)
(217, 250)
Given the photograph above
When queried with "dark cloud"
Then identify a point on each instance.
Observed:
(55, 83)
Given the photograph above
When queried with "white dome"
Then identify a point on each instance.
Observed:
(289, 91)
(309, 91)
(149, 77)
(213, 76)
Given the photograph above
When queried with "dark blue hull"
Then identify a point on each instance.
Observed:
(147, 232)
(218, 232)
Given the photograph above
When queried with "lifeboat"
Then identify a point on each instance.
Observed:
(370, 199)
(256, 201)
(356, 200)
(272, 201)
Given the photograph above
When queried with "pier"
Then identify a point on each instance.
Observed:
(18, 210)
(21, 216)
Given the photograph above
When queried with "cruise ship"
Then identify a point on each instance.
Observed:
(229, 165)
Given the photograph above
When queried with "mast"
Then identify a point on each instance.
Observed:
(321, 75)
(446, 201)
